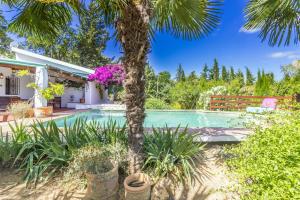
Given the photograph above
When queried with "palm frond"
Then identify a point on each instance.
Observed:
(278, 21)
(41, 19)
(112, 9)
(186, 18)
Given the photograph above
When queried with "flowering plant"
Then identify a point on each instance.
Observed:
(108, 75)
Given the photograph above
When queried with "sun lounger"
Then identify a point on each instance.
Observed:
(268, 105)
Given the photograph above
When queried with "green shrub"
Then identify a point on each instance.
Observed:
(47, 149)
(268, 163)
(92, 159)
(172, 153)
(186, 93)
(153, 103)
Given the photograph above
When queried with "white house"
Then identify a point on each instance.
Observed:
(46, 70)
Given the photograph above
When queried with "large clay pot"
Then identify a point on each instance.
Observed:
(30, 113)
(103, 186)
(43, 111)
(137, 187)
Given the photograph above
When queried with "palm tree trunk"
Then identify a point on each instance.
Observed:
(133, 30)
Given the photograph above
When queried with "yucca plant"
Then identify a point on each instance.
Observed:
(77, 134)
(43, 152)
(49, 148)
(10, 144)
(173, 153)
(5, 153)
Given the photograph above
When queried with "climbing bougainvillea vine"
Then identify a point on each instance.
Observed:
(108, 75)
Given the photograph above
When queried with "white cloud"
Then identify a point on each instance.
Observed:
(250, 31)
(286, 54)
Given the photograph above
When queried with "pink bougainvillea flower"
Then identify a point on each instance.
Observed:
(108, 75)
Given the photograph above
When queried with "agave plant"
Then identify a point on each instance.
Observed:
(173, 154)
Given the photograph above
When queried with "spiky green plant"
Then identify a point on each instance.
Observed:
(173, 154)
(49, 148)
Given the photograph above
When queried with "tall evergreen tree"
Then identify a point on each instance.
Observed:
(192, 76)
(150, 85)
(91, 38)
(83, 45)
(224, 74)
(5, 40)
(204, 73)
(270, 77)
(231, 74)
(216, 70)
(249, 77)
(240, 75)
(180, 75)
(262, 86)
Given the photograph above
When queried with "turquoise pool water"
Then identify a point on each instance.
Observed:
(192, 119)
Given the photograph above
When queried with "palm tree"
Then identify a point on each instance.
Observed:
(278, 21)
(135, 22)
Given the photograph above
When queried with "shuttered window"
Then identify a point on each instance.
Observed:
(12, 85)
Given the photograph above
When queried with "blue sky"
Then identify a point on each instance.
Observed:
(228, 43)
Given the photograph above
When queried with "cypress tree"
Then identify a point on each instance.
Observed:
(216, 70)
(180, 75)
(204, 73)
(240, 76)
(192, 76)
(231, 74)
(249, 77)
(224, 74)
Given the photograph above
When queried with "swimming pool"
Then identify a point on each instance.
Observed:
(192, 119)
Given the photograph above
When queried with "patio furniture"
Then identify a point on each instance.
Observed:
(268, 105)
(56, 102)
(6, 100)
(4, 116)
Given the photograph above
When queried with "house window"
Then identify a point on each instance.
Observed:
(12, 85)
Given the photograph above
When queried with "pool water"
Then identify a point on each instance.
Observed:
(192, 119)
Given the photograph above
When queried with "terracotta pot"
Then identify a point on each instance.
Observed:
(137, 187)
(103, 186)
(30, 113)
(82, 100)
(43, 111)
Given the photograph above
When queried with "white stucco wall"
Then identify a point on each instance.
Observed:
(6, 72)
(25, 93)
(92, 95)
(78, 93)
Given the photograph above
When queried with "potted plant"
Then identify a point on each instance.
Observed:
(101, 172)
(137, 187)
(49, 93)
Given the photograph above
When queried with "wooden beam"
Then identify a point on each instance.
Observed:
(16, 67)
(65, 76)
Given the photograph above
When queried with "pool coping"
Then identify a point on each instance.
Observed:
(216, 134)
(205, 134)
